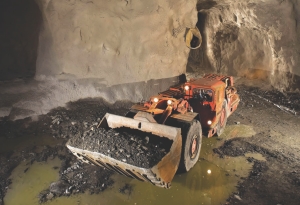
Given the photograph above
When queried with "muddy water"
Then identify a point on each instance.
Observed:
(27, 185)
(210, 182)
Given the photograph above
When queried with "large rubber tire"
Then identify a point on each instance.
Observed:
(191, 145)
(223, 119)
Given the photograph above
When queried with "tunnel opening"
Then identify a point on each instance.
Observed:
(20, 22)
(205, 4)
(198, 61)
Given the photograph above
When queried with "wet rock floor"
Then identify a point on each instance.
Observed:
(58, 125)
(276, 118)
(274, 181)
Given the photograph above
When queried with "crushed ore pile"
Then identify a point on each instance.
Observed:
(127, 145)
(289, 101)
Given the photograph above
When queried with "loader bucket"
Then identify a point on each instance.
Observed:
(160, 174)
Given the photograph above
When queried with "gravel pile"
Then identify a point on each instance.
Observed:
(127, 145)
(289, 101)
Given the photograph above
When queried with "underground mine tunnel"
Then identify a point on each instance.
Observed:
(65, 64)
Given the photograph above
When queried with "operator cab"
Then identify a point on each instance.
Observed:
(203, 94)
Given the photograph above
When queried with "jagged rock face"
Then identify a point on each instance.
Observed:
(126, 41)
(253, 38)
(102, 43)
(118, 41)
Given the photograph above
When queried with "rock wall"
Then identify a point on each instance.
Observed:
(125, 41)
(117, 41)
(110, 48)
(253, 38)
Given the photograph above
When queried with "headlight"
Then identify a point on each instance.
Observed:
(187, 87)
(155, 100)
(209, 122)
(169, 102)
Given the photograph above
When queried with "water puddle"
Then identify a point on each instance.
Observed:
(26, 186)
(233, 131)
(210, 182)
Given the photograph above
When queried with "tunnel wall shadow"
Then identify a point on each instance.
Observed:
(20, 22)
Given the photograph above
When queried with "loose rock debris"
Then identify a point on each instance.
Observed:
(276, 181)
(59, 124)
(77, 177)
(127, 145)
(273, 180)
(126, 189)
(289, 102)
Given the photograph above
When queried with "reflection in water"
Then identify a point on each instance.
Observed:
(198, 186)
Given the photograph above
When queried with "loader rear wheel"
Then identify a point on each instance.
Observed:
(191, 145)
(223, 120)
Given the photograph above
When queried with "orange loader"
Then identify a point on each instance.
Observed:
(180, 114)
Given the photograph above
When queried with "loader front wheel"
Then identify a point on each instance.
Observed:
(191, 145)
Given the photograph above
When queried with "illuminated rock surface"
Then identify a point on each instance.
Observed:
(257, 39)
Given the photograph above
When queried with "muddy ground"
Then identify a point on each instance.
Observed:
(59, 125)
(275, 120)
